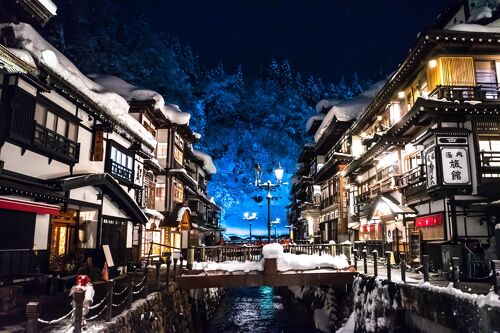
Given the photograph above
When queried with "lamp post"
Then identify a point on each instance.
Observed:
(275, 223)
(278, 173)
(250, 218)
(292, 228)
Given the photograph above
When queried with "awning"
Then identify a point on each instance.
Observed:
(111, 187)
(28, 206)
(353, 225)
(384, 205)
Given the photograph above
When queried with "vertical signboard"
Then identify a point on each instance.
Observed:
(430, 163)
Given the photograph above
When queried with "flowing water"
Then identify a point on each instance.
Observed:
(260, 309)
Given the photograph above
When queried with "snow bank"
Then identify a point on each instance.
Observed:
(349, 110)
(208, 164)
(479, 14)
(316, 117)
(301, 262)
(493, 27)
(492, 299)
(326, 104)
(230, 266)
(273, 250)
(23, 55)
(133, 93)
(55, 62)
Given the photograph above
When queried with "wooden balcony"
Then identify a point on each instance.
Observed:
(481, 93)
(489, 165)
(121, 172)
(412, 182)
(55, 144)
(362, 203)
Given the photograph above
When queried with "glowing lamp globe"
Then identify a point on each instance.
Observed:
(278, 172)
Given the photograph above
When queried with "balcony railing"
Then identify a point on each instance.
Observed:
(467, 93)
(490, 166)
(51, 142)
(121, 171)
(415, 176)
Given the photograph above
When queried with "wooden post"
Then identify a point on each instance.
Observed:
(388, 263)
(375, 268)
(78, 318)
(167, 273)
(332, 250)
(270, 266)
(425, 264)
(402, 264)
(495, 267)
(455, 271)
(32, 313)
(190, 257)
(175, 269)
(146, 282)
(365, 264)
(202, 254)
(110, 285)
(130, 281)
(355, 251)
(158, 266)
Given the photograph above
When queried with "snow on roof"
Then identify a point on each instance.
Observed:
(349, 110)
(326, 104)
(133, 93)
(23, 55)
(208, 164)
(493, 27)
(54, 61)
(480, 13)
(316, 117)
(181, 213)
(49, 5)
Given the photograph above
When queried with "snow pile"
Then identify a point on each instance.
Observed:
(288, 262)
(492, 299)
(132, 93)
(230, 266)
(349, 110)
(493, 27)
(23, 55)
(54, 61)
(208, 164)
(326, 104)
(316, 117)
(273, 250)
(480, 13)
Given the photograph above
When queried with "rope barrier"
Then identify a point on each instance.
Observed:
(137, 292)
(138, 284)
(121, 292)
(97, 315)
(98, 304)
(50, 322)
(120, 304)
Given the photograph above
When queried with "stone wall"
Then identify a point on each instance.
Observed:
(166, 312)
(383, 306)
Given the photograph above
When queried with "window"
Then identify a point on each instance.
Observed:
(486, 77)
(122, 164)
(178, 155)
(161, 151)
(178, 191)
(114, 234)
(56, 123)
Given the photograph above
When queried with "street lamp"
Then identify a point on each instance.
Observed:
(292, 228)
(278, 173)
(275, 223)
(250, 218)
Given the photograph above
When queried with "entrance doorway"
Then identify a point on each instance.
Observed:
(62, 240)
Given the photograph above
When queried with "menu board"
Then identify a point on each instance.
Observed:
(415, 246)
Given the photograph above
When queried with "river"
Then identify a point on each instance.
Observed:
(260, 309)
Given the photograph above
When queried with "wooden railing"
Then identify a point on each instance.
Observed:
(467, 93)
(22, 262)
(55, 143)
(490, 166)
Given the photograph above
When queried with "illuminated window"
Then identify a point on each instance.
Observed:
(161, 151)
(178, 190)
(178, 155)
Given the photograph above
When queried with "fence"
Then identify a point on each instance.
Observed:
(424, 268)
(254, 252)
(119, 294)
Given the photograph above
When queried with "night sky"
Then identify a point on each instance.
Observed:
(325, 38)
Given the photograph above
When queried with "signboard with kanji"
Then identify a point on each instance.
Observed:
(455, 166)
(429, 220)
(430, 163)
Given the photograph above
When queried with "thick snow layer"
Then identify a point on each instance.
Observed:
(479, 14)
(23, 55)
(273, 250)
(181, 213)
(230, 266)
(349, 110)
(54, 61)
(133, 93)
(326, 104)
(493, 27)
(316, 117)
(492, 299)
(208, 164)
(321, 319)
(288, 262)
(154, 213)
(51, 7)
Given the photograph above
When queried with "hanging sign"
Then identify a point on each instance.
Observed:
(429, 220)
(455, 165)
(430, 162)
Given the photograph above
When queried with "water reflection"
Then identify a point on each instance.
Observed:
(260, 309)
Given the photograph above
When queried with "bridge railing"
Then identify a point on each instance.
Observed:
(254, 252)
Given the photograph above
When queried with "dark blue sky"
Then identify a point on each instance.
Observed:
(326, 38)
